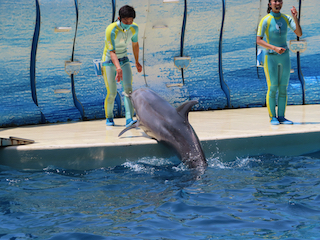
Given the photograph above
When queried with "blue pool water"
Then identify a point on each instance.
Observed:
(259, 197)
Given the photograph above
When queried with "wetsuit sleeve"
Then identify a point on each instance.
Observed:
(262, 27)
(135, 32)
(109, 39)
(291, 23)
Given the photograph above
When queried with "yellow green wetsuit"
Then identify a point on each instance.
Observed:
(276, 67)
(117, 39)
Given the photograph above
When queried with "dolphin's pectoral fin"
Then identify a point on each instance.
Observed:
(130, 127)
(185, 108)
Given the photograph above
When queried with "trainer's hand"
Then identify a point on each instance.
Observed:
(119, 75)
(294, 12)
(279, 50)
(138, 66)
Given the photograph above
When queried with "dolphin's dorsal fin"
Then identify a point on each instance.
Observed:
(128, 128)
(185, 108)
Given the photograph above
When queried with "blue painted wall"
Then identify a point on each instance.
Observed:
(40, 37)
(17, 29)
(239, 53)
(202, 39)
(54, 48)
(89, 43)
(310, 59)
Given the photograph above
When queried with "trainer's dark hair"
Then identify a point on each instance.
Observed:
(126, 12)
(269, 8)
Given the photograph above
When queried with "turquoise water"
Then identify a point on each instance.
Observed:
(259, 197)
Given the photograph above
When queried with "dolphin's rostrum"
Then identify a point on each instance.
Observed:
(165, 123)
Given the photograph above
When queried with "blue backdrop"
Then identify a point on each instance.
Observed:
(190, 50)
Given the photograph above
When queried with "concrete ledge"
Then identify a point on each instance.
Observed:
(225, 134)
(280, 145)
(92, 157)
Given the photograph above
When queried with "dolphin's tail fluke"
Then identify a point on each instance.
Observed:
(135, 125)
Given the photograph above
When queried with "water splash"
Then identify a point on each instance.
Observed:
(247, 162)
(152, 164)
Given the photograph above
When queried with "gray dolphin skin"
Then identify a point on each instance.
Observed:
(163, 122)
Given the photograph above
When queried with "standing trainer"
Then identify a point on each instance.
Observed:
(115, 62)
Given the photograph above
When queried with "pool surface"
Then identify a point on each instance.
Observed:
(80, 181)
(258, 197)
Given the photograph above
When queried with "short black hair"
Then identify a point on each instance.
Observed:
(127, 11)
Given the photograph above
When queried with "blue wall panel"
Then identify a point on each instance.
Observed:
(310, 59)
(202, 45)
(93, 18)
(161, 43)
(17, 27)
(53, 50)
(219, 38)
(260, 70)
(239, 54)
(295, 92)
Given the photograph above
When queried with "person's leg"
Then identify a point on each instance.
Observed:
(271, 72)
(109, 75)
(284, 76)
(127, 88)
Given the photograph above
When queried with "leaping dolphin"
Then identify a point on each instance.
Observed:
(161, 121)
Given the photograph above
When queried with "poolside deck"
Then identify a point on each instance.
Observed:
(223, 133)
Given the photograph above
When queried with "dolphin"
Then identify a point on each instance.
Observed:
(164, 123)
